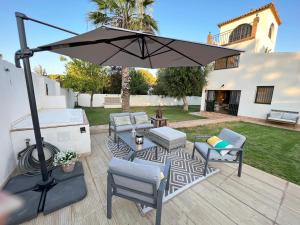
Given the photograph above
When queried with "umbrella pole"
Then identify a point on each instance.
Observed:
(25, 53)
(41, 193)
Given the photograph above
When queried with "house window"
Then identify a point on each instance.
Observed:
(271, 31)
(227, 62)
(264, 94)
(240, 32)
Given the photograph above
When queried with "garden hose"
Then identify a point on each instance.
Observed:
(28, 163)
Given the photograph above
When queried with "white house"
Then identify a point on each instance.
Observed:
(261, 79)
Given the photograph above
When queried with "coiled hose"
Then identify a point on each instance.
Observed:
(29, 164)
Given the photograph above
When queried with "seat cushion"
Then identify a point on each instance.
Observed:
(202, 148)
(137, 170)
(144, 126)
(282, 120)
(168, 133)
(124, 128)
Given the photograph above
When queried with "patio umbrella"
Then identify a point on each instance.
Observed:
(105, 46)
(109, 46)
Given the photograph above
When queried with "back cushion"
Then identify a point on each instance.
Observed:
(136, 170)
(237, 140)
(112, 115)
(122, 120)
(140, 119)
(133, 114)
(289, 116)
(275, 114)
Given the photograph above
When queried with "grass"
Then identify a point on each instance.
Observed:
(99, 116)
(273, 150)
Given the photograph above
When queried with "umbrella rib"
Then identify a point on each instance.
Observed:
(140, 46)
(180, 53)
(124, 50)
(118, 51)
(160, 53)
(148, 54)
(164, 45)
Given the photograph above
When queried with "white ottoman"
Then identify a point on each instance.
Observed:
(167, 137)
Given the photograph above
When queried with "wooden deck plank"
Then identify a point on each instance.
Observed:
(199, 210)
(258, 186)
(265, 177)
(293, 189)
(265, 205)
(223, 198)
(287, 216)
(229, 205)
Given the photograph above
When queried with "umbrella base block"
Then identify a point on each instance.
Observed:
(61, 192)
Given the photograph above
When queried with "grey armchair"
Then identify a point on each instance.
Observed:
(211, 155)
(139, 181)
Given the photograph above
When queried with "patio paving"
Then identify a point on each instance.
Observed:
(255, 198)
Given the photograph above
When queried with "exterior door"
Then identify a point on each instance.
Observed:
(210, 101)
(234, 101)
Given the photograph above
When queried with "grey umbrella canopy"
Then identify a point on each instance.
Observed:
(108, 46)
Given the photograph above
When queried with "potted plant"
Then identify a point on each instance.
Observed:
(66, 159)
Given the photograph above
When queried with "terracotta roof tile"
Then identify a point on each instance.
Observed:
(254, 11)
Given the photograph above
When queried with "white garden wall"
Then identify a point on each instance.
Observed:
(137, 100)
(14, 102)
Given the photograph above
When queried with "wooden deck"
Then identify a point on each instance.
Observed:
(255, 198)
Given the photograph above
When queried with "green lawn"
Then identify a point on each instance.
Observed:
(98, 116)
(274, 150)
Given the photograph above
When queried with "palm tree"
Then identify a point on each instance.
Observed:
(127, 14)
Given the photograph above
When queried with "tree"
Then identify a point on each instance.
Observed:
(128, 14)
(181, 82)
(40, 70)
(115, 76)
(57, 77)
(85, 77)
(138, 84)
(148, 76)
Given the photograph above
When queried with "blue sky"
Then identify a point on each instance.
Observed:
(189, 19)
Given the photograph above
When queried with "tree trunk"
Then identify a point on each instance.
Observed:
(91, 102)
(185, 103)
(125, 95)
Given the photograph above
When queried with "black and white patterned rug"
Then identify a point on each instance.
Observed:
(185, 171)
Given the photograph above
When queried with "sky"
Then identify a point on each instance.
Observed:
(183, 19)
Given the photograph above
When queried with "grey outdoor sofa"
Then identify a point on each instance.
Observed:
(283, 116)
(129, 122)
(139, 181)
(211, 155)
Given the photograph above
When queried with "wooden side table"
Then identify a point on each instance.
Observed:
(159, 122)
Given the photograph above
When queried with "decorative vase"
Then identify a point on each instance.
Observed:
(68, 168)
(139, 139)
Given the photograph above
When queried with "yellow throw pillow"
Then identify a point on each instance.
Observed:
(213, 141)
